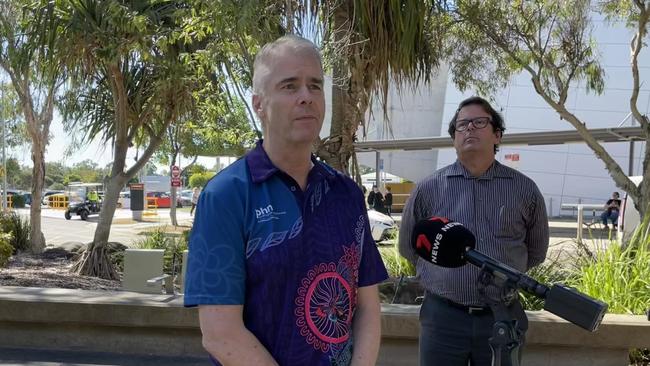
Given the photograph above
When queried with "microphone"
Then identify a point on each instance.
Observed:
(449, 244)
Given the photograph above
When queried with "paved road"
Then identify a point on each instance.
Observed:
(37, 357)
(58, 230)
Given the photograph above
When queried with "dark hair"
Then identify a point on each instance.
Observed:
(497, 121)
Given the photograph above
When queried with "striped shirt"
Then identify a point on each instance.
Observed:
(504, 210)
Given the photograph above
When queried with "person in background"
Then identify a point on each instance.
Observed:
(93, 199)
(282, 263)
(376, 199)
(504, 210)
(195, 198)
(388, 201)
(612, 208)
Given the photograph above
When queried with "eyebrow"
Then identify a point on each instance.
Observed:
(318, 81)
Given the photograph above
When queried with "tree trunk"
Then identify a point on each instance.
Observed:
(37, 239)
(334, 150)
(96, 261)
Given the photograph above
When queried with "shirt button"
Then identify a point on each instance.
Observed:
(293, 188)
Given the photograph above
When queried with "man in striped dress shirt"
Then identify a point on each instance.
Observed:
(505, 211)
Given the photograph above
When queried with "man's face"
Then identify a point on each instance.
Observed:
(615, 195)
(474, 140)
(292, 103)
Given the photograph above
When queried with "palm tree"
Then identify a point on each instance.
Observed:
(371, 45)
(132, 74)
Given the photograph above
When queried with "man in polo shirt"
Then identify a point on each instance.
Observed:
(281, 261)
(503, 208)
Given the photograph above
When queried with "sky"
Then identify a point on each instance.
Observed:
(57, 151)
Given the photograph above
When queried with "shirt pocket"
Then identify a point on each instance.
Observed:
(509, 222)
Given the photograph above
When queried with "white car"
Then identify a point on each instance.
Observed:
(381, 225)
(125, 200)
(628, 218)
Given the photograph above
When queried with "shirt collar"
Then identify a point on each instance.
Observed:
(496, 170)
(262, 168)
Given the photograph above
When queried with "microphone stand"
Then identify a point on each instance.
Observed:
(506, 336)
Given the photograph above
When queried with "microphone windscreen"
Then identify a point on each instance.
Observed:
(442, 242)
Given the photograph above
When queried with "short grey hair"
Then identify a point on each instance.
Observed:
(266, 53)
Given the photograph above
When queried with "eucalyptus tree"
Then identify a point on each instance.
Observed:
(11, 116)
(551, 41)
(133, 69)
(31, 58)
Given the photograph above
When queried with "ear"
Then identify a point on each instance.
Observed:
(257, 106)
(499, 135)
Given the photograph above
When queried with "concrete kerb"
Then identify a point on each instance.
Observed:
(137, 323)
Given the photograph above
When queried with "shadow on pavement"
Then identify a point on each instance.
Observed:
(39, 357)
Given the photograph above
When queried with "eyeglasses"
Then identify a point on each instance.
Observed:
(478, 123)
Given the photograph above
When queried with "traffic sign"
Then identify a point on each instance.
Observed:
(176, 181)
(176, 171)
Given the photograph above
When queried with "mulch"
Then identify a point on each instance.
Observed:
(29, 270)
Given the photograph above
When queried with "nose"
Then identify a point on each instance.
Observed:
(305, 96)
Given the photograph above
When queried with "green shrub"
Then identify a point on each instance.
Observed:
(620, 276)
(396, 265)
(174, 247)
(18, 227)
(155, 239)
(6, 250)
(548, 273)
(200, 179)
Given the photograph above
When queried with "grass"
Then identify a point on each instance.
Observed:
(396, 265)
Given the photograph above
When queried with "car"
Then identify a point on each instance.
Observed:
(382, 226)
(629, 218)
(186, 197)
(163, 199)
(124, 201)
(45, 200)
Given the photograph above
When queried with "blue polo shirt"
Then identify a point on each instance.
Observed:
(293, 258)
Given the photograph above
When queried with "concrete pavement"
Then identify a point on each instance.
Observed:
(40, 357)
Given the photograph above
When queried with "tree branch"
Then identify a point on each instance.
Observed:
(636, 45)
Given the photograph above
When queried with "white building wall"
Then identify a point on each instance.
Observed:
(412, 114)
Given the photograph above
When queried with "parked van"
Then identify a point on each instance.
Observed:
(629, 217)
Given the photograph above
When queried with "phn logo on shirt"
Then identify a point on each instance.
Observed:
(267, 213)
